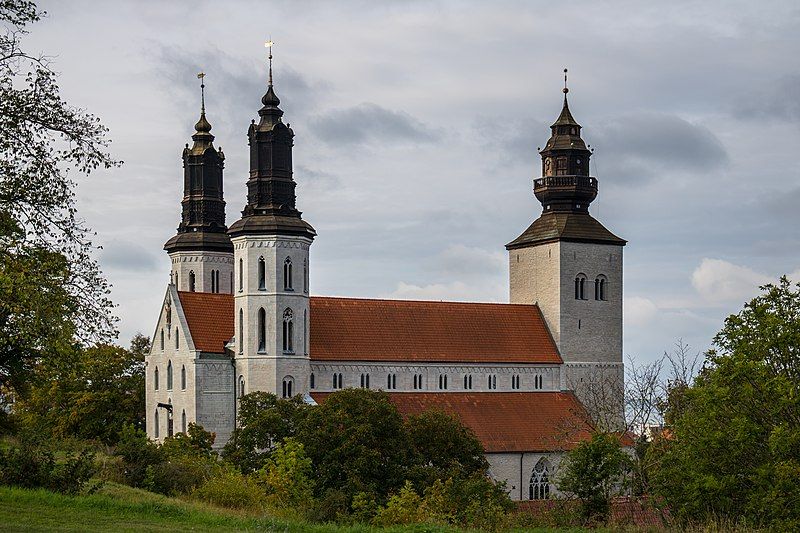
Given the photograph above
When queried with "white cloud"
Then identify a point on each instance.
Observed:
(456, 290)
(719, 281)
(639, 311)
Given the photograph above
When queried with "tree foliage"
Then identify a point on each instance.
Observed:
(51, 288)
(733, 448)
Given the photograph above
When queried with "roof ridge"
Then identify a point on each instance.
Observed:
(398, 300)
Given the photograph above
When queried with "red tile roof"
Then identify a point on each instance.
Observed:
(395, 330)
(505, 421)
(210, 319)
(404, 330)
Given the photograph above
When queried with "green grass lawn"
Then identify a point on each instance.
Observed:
(119, 509)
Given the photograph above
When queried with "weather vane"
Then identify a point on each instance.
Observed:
(566, 90)
(268, 44)
(201, 76)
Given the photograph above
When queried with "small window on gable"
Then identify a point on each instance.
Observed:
(183, 377)
(162, 339)
(177, 340)
(155, 379)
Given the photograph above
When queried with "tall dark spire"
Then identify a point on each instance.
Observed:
(565, 188)
(270, 208)
(202, 226)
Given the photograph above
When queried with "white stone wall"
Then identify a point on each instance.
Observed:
(352, 370)
(202, 264)
(265, 370)
(515, 468)
(216, 404)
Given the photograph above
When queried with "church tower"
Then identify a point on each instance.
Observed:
(571, 266)
(271, 243)
(201, 252)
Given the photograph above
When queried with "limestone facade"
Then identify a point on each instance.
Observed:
(205, 266)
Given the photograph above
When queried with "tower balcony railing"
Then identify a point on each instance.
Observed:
(565, 181)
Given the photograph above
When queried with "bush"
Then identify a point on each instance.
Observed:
(230, 488)
(287, 478)
(138, 453)
(178, 475)
(33, 466)
(405, 507)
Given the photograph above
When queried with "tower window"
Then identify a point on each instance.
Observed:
(155, 379)
(580, 287)
(540, 481)
(288, 385)
(561, 166)
(183, 377)
(169, 375)
(262, 274)
(213, 281)
(600, 288)
(191, 281)
(305, 275)
(262, 330)
(241, 331)
(287, 274)
(288, 331)
(241, 275)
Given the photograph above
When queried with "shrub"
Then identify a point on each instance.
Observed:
(230, 488)
(33, 466)
(287, 477)
(178, 475)
(138, 453)
(405, 507)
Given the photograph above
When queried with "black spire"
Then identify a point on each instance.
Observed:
(565, 189)
(202, 226)
(270, 207)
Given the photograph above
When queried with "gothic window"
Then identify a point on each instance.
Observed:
(443, 381)
(213, 281)
(217, 277)
(416, 381)
(288, 386)
(191, 281)
(241, 386)
(288, 331)
(311, 381)
(468, 381)
(305, 332)
(515, 382)
(155, 379)
(241, 275)
(337, 380)
(305, 275)
(241, 331)
(162, 339)
(155, 424)
(262, 330)
(231, 281)
(537, 382)
(183, 377)
(600, 288)
(183, 421)
(580, 287)
(540, 481)
(169, 422)
(287, 274)
(262, 274)
(492, 379)
(365, 381)
(169, 375)
(176, 280)
(391, 381)
(177, 340)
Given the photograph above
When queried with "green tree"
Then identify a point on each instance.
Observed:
(444, 448)
(357, 442)
(264, 421)
(89, 393)
(51, 288)
(734, 445)
(595, 471)
(287, 477)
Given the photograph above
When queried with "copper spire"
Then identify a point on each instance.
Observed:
(565, 118)
(202, 126)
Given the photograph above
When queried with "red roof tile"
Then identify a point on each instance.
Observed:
(505, 421)
(395, 330)
(210, 319)
(403, 330)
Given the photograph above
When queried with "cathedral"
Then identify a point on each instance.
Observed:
(239, 316)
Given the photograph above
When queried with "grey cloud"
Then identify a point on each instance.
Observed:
(369, 122)
(778, 100)
(127, 256)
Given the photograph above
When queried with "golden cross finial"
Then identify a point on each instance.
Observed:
(201, 76)
(268, 44)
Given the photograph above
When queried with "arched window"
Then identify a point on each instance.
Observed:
(391, 381)
(492, 379)
(288, 331)
(241, 331)
(337, 380)
(169, 375)
(177, 341)
(468, 381)
(262, 274)
(213, 282)
(305, 275)
(155, 424)
(191, 281)
(155, 379)
(183, 421)
(443, 381)
(183, 377)
(162, 339)
(365, 381)
(515, 382)
(262, 330)
(241, 386)
(540, 481)
(287, 274)
(311, 381)
(241, 275)
(288, 386)
(305, 332)
(600, 288)
(537, 382)
(580, 287)
(176, 280)
(217, 277)
(169, 422)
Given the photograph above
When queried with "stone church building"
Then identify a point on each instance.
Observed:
(239, 316)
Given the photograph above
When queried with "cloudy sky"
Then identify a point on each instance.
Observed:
(417, 126)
